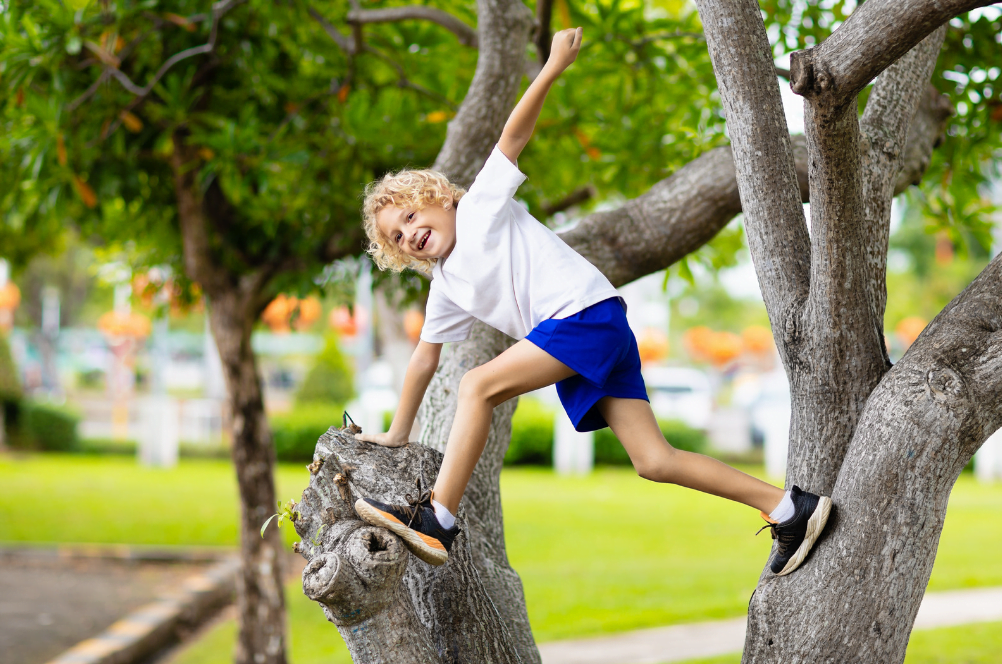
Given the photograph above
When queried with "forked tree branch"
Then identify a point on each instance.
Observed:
(920, 427)
(876, 34)
(684, 211)
(466, 34)
(218, 11)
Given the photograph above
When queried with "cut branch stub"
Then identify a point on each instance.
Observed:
(874, 36)
(359, 581)
(388, 605)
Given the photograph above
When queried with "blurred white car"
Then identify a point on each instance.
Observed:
(679, 393)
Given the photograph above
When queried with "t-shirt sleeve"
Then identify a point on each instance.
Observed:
(444, 320)
(495, 186)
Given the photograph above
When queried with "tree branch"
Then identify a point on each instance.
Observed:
(218, 11)
(345, 43)
(503, 28)
(544, 33)
(876, 34)
(467, 35)
(403, 81)
(763, 155)
(683, 212)
(570, 200)
(890, 110)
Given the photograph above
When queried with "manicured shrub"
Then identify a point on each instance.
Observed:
(10, 386)
(296, 432)
(107, 446)
(47, 427)
(330, 380)
(531, 435)
(609, 451)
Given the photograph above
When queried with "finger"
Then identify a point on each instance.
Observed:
(576, 42)
(364, 437)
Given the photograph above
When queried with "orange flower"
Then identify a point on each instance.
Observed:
(652, 344)
(909, 329)
(310, 310)
(413, 322)
(10, 296)
(278, 312)
(757, 340)
(343, 322)
(115, 324)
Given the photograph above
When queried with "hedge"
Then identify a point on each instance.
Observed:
(296, 432)
(45, 427)
(532, 438)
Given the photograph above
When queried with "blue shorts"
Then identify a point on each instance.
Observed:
(599, 345)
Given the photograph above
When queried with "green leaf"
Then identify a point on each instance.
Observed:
(685, 271)
(77, 5)
(73, 45)
(266, 524)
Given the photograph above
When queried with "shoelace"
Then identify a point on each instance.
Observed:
(412, 510)
(785, 536)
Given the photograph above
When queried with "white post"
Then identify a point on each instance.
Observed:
(162, 423)
(573, 451)
(988, 460)
(774, 421)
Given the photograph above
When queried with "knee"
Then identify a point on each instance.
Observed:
(476, 385)
(657, 467)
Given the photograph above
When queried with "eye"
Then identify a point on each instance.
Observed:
(396, 238)
(410, 216)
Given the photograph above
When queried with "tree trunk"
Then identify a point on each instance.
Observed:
(260, 599)
(234, 304)
(857, 598)
(388, 605)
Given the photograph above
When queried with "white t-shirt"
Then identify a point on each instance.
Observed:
(507, 269)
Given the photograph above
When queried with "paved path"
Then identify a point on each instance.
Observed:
(710, 639)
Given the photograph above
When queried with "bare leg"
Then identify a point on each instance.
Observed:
(522, 368)
(634, 424)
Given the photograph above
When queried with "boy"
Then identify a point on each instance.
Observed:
(490, 260)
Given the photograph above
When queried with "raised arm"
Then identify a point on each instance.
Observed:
(420, 369)
(521, 122)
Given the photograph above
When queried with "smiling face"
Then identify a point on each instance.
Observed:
(426, 233)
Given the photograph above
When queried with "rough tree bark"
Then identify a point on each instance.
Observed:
(767, 174)
(234, 305)
(884, 444)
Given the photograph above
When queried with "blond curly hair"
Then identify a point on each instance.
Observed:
(415, 189)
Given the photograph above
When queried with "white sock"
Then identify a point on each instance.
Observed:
(444, 516)
(784, 511)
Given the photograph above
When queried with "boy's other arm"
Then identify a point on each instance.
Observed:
(522, 121)
(421, 368)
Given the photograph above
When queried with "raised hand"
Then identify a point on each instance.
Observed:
(564, 49)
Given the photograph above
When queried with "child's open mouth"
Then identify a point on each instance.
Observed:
(424, 240)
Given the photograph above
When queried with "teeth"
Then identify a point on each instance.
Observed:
(424, 240)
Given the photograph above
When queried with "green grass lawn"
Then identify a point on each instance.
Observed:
(591, 562)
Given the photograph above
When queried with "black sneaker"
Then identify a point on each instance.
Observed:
(797, 535)
(415, 523)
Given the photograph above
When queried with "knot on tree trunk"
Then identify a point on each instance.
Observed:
(388, 605)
